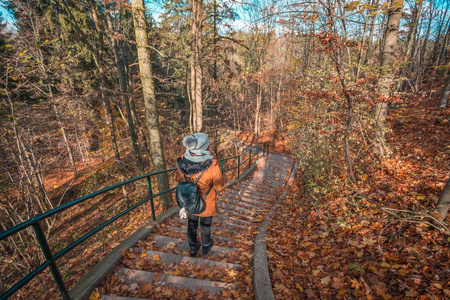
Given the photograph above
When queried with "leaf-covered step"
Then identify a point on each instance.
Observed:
(264, 187)
(136, 276)
(179, 232)
(238, 220)
(240, 203)
(181, 245)
(238, 215)
(217, 222)
(170, 258)
(248, 194)
(239, 209)
(255, 192)
(244, 199)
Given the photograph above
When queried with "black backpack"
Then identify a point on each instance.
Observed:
(188, 196)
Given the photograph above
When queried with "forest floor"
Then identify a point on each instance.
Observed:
(375, 239)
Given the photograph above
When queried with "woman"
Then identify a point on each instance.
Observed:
(195, 161)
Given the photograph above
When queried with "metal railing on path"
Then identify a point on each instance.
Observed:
(254, 152)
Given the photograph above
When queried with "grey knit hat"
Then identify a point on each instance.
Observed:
(196, 147)
(197, 141)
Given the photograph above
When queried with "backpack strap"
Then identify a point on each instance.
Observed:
(198, 178)
(209, 190)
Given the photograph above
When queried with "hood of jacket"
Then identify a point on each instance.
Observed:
(188, 167)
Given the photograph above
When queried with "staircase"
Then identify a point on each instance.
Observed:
(160, 266)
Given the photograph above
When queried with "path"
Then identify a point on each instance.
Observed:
(160, 266)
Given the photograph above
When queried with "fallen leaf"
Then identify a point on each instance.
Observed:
(325, 280)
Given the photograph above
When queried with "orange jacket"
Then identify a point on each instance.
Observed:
(211, 176)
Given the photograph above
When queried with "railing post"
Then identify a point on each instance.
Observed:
(48, 255)
(250, 159)
(150, 193)
(239, 165)
(257, 150)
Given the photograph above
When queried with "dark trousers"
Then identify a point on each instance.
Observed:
(205, 230)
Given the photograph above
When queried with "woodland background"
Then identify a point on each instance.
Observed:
(96, 92)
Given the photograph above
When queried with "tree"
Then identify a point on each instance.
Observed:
(443, 101)
(148, 92)
(388, 56)
(195, 61)
(124, 93)
(444, 201)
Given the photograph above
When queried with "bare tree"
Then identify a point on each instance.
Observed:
(195, 62)
(388, 56)
(148, 91)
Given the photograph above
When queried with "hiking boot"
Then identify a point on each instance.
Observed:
(206, 249)
(193, 251)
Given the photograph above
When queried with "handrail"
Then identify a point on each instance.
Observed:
(43, 243)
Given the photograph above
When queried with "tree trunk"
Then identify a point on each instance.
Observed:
(124, 94)
(444, 201)
(422, 65)
(363, 42)
(445, 94)
(102, 73)
(258, 110)
(192, 101)
(196, 66)
(391, 36)
(441, 29)
(105, 98)
(148, 91)
(370, 40)
(63, 132)
(410, 43)
(444, 44)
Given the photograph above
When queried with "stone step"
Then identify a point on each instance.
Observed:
(137, 276)
(217, 222)
(259, 187)
(245, 199)
(238, 221)
(237, 208)
(238, 215)
(182, 234)
(183, 246)
(248, 194)
(256, 193)
(239, 203)
(170, 258)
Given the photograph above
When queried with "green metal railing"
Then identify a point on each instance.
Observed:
(52, 257)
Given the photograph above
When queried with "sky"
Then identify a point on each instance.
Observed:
(6, 17)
